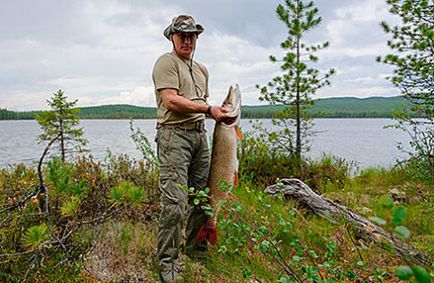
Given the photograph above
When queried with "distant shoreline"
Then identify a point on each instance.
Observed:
(345, 107)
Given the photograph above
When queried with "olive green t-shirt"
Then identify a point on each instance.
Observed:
(171, 71)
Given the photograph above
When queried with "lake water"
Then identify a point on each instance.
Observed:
(361, 140)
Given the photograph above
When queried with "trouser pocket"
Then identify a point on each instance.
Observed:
(164, 139)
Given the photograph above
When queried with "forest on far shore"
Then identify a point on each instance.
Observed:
(343, 107)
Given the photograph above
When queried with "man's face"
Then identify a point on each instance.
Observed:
(184, 43)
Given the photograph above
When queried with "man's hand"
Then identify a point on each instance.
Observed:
(218, 113)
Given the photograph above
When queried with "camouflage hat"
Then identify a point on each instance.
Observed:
(183, 23)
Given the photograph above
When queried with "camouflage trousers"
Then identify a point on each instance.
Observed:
(184, 159)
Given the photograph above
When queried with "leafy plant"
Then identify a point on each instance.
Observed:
(398, 215)
(247, 231)
(418, 273)
(200, 198)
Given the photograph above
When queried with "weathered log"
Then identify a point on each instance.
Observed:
(368, 231)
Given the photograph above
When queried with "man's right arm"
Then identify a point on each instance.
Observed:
(174, 102)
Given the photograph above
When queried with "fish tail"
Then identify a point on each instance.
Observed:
(207, 233)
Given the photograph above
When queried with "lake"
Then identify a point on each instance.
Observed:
(361, 140)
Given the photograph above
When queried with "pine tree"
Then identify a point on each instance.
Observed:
(298, 81)
(61, 123)
(412, 44)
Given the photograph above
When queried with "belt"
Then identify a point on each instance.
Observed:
(186, 126)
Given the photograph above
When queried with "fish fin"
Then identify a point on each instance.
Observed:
(236, 178)
(207, 233)
(239, 133)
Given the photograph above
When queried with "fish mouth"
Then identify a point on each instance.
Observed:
(228, 121)
(232, 103)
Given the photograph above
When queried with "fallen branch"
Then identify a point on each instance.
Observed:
(296, 189)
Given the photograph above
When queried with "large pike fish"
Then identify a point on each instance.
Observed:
(224, 162)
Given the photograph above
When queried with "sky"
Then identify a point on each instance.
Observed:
(102, 52)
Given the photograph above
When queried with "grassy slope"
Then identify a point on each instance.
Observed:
(360, 262)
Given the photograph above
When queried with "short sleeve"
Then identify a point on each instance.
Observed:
(165, 73)
(206, 74)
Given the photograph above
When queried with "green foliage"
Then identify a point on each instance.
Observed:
(60, 174)
(419, 273)
(387, 202)
(70, 207)
(413, 41)
(258, 162)
(397, 214)
(267, 227)
(298, 81)
(60, 123)
(125, 237)
(143, 145)
(79, 195)
(8, 115)
(35, 236)
(398, 217)
(378, 220)
(200, 198)
(126, 193)
(402, 232)
(328, 173)
(419, 168)
(404, 272)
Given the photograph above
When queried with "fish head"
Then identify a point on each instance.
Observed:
(232, 102)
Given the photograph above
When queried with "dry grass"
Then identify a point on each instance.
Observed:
(123, 252)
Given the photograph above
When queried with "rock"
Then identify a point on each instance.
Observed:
(397, 195)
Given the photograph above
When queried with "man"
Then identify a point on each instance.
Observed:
(181, 89)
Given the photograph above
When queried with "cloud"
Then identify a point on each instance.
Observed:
(102, 52)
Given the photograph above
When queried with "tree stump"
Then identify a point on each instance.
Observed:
(368, 231)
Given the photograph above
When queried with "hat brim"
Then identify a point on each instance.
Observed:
(169, 31)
